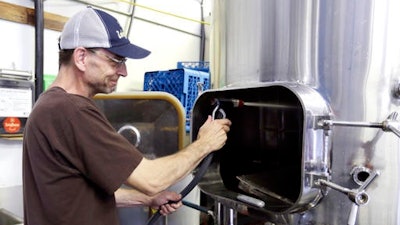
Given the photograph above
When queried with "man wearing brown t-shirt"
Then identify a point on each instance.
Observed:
(74, 162)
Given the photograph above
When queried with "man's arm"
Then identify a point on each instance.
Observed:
(153, 176)
(125, 197)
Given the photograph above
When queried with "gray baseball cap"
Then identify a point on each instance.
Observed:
(93, 28)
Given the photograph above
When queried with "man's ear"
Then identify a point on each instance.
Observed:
(80, 58)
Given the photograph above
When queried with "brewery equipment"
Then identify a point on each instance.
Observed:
(312, 89)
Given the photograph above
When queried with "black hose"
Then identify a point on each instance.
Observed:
(198, 207)
(202, 168)
(196, 179)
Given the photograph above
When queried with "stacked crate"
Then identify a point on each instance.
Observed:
(185, 84)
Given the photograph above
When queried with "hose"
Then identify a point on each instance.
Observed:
(204, 164)
(202, 169)
(199, 208)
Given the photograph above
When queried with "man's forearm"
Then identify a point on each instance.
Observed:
(125, 197)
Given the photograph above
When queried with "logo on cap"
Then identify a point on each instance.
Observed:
(121, 34)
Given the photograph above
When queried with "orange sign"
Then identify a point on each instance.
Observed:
(11, 125)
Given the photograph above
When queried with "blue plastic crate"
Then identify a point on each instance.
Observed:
(182, 83)
(200, 65)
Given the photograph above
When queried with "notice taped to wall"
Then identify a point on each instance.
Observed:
(15, 107)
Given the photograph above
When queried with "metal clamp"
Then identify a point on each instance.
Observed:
(357, 196)
(218, 112)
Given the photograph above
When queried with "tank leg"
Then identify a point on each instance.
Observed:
(224, 215)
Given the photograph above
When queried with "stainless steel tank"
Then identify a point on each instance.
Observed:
(348, 52)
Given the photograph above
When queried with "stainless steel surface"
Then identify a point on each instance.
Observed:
(349, 52)
(11, 202)
(151, 121)
(8, 218)
(15, 74)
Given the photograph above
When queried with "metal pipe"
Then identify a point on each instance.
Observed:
(135, 17)
(353, 124)
(241, 103)
(132, 10)
(202, 33)
(39, 30)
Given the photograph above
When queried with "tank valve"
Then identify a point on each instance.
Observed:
(357, 196)
(396, 90)
(360, 174)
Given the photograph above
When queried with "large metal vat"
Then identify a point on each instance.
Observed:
(348, 51)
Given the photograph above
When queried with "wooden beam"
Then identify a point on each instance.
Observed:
(24, 15)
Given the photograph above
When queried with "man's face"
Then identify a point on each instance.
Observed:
(105, 70)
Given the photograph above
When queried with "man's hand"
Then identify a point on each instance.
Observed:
(167, 202)
(214, 132)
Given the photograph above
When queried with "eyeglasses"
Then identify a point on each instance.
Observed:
(118, 62)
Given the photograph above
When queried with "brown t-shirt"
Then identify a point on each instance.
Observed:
(73, 162)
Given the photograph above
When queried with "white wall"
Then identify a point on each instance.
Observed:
(11, 176)
(10, 162)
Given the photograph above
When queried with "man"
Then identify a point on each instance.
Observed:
(74, 162)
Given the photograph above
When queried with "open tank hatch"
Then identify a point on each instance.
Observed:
(274, 150)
